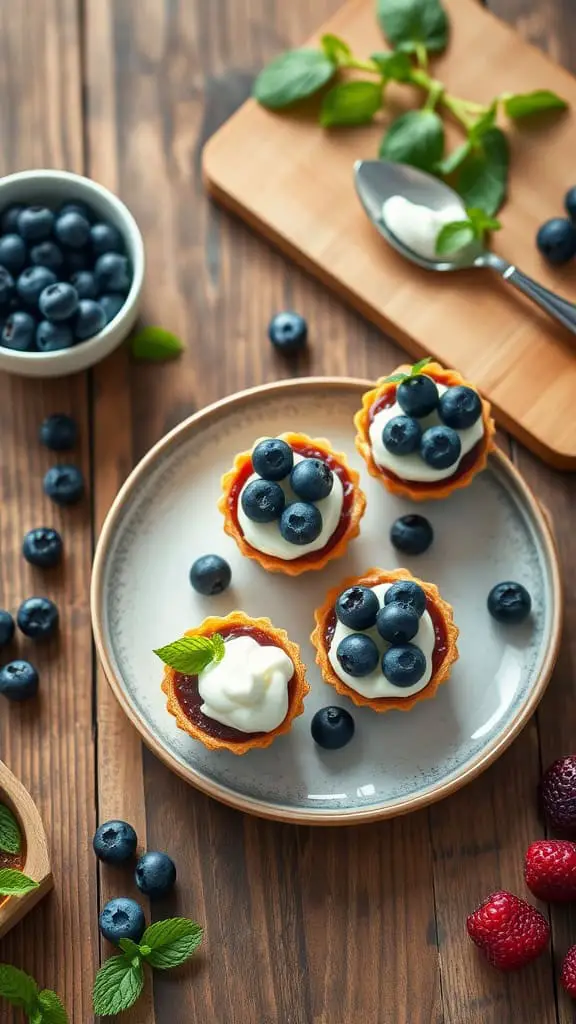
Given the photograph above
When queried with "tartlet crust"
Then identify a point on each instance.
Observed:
(297, 566)
(213, 625)
(372, 578)
(404, 488)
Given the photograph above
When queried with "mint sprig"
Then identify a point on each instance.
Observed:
(192, 654)
(460, 233)
(397, 378)
(155, 345)
(170, 943)
(15, 883)
(10, 835)
(20, 990)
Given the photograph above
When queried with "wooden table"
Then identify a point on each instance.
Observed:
(304, 926)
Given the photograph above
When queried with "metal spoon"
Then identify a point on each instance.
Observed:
(379, 180)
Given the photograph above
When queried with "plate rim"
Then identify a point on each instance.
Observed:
(251, 805)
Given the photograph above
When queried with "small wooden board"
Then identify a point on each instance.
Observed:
(293, 182)
(36, 862)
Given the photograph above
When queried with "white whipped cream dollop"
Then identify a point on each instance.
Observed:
(418, 227)
(376, 685)
(413, 467)
(248, 689)
(266, 537)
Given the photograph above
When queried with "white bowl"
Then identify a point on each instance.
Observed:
(54, 188)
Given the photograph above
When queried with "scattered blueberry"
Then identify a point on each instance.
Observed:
(272, 459)
(32, 283)
(38, 618)
(357, 654)
(288, 332)
(76, 207)
(357, 608)
(401, 435)
(312, 479)
(64, 484)
(59, 432)
(397, 623)
(155, 874)
(58, 301)
(9, 220)
(404, 665)
(263, 501)
(509, 602)
(18, 680)
(35, 223)
(6, 627)
(53, 337)
(72, 229)
(407, 593)
(43, 547)
(301, 523)
(332, 728)
(105, 238)
(122, 918)
(210, 575)
(417, 396)
(115, 842)
(47, 254)
(113, 273)
(460, 407)
(89, 320)
(411, 534)
(556, 240)
(570, 202)
(440, 447)
(18, 332)
(6, 286)
(111, 304)
(12, 253)
(84, 283)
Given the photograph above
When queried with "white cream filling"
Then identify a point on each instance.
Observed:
(248, 689)
(376, 685)
(266, 537)
(418, 227)
(413, 467)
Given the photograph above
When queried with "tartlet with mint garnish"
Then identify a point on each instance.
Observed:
(424, 431)
(234, 683)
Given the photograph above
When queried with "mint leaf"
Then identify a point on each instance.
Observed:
(396, 378)
(419, 366)
(154, 345)
(483, 177)
(351, 103)
(336, 49)
(191, 654)
(52, 1010)
(454, 236)
(171, 942)
(18, 988)
(455, 159)
(15, 883)
(219, 647)
(414, 24)
(394, 65)
(130, 947)
(10, 835)
(293, 76)
(481, 222)
(484, 123)
(415, 138)
(118, 985)
(525, 104)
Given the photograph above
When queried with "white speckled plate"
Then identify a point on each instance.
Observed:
(165, 516)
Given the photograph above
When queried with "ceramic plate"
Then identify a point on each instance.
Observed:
(165, 516)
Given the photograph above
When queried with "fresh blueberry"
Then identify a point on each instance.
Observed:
(18, 332)
(357, 654)
(401, 435)
(77, 259)
(85, 284)
(52, 337)
(312, 479)
(89, 320)
(155, 874)
(59, 432)
(403, 665)
(9, 219)
(43, 547)
(122, 918)
(556, 240)
(35, 223)
(357, 608)
(417, 396)
(72, 229)
(38, 618)
(332, 728)
(64, 484)
(407, 593)
(76, 207)
(111, 304)
(411, 534)
(509, 602)
(570, 202)
(6, 627)
(105, 238)
(210, 575)
(113, 273)
(263, 501)
(460, 407)
(18, 680)
(115, 842)
(12, 253)
(288, 332)
(301, 523)
(47, 254)
(58, 301)
(440, 447)
(397, 623)
(32, 283)
(272, 459)
(7, 288)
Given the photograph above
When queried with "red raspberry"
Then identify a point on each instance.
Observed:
(558, 794)
(550, 870)
(568, 976)
(508, 930)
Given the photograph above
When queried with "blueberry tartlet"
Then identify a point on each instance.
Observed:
(385, 639)
(245, 691)
(424, 432)
(291, 503)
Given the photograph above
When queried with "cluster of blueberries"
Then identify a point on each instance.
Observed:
(556, 239)
(64, 275)
(418, 396)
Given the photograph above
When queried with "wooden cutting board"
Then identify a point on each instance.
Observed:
(293, 182)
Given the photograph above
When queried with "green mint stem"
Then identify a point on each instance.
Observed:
(434, 95)
(363, 65)
(458, 110)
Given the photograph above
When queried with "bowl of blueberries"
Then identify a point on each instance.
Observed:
(71, 272)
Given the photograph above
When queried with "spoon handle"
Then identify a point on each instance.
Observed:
(558, 308)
